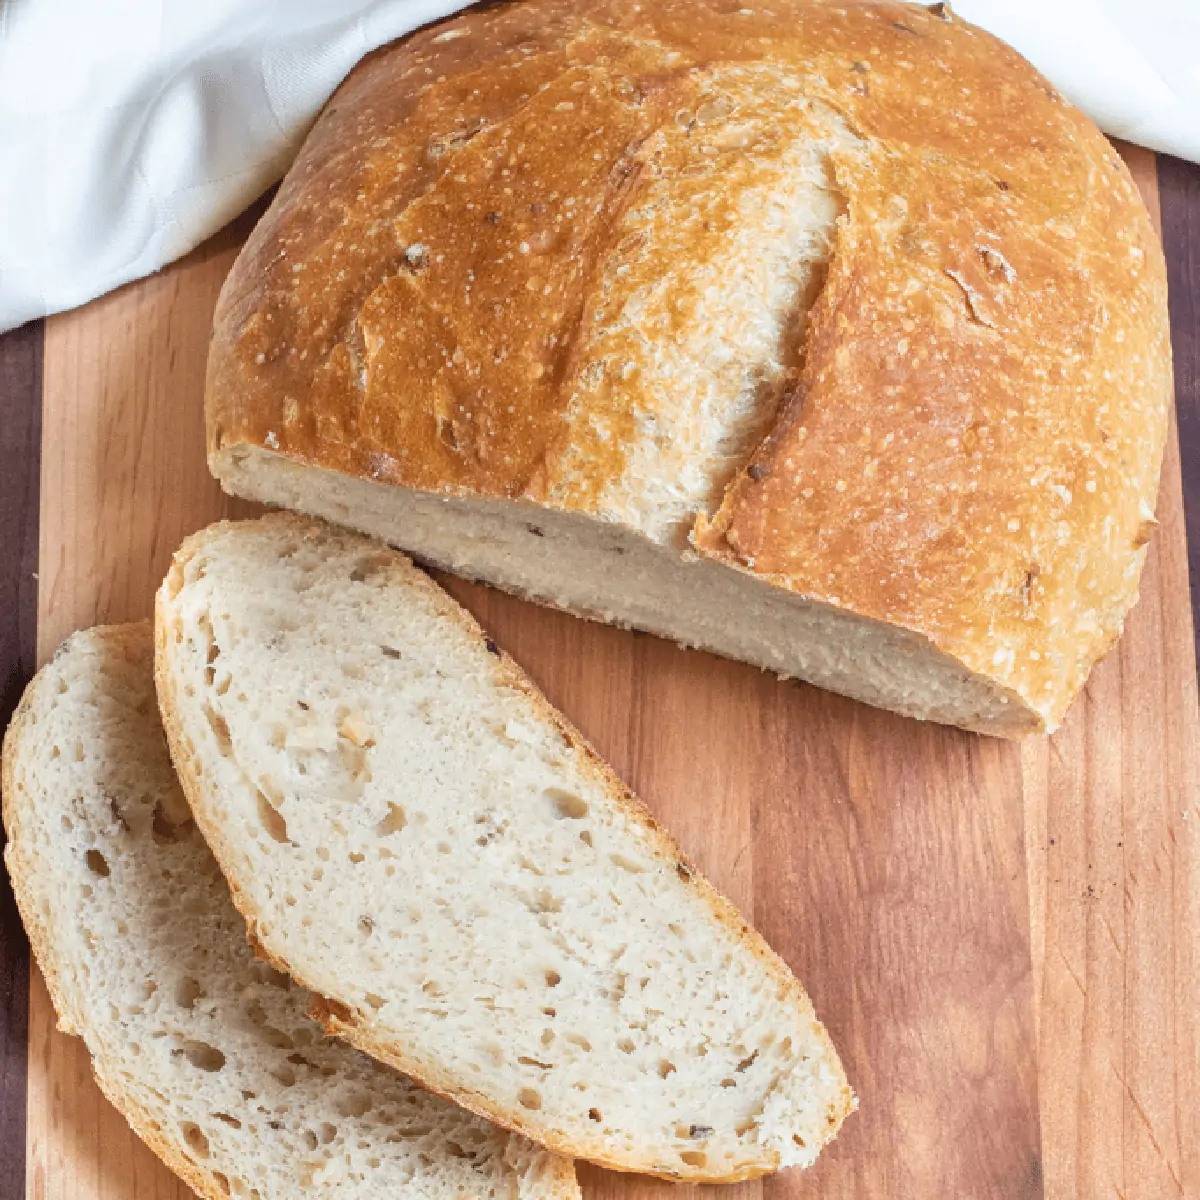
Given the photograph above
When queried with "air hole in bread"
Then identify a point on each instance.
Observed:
(585, 836)
(544, 902)
(393, 821)
(553, 978)
(271, 819)
(446, 434)
(354, 727)
(220, 729)
(625, 1045)
(626, 864)
(577, 1039)
(165, 829)
(665, 1067)
(97, 863)
(232, 1122)
(567, 805)
(694, 1158)
(276, 1037)
(187, 992)
(376, 1002)
(594, 1114)
(354, 760)
(285, 1075)
(310, 1140)
(529, 1098)
(389, 652)
(355, 1105)
(202, 1056)
(193, 1135)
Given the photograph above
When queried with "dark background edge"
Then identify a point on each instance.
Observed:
(20, 468)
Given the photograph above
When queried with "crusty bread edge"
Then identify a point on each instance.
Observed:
(41, 942)
(339, 1020)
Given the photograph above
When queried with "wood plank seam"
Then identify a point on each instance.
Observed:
(1179, 198)
(20, 457)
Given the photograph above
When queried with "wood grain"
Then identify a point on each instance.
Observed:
(20, 445)
(883, 859)
(1113, 833)
(123, 481)
(124, 477)
(1179, 202)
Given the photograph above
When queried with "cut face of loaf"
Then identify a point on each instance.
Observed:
(614, 573)
(207, 1051)
(828, 337)
(415, 834)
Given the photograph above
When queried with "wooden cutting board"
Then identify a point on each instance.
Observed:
(945, 897)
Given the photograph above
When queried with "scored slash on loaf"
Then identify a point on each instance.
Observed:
(414, 833)
(826, 336)
(206, 1051)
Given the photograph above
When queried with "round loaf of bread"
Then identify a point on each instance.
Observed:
(826, 336)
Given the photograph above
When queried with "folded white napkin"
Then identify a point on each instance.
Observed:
(133, 129)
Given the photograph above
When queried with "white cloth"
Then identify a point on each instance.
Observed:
(131, 130)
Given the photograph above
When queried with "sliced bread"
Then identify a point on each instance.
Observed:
(414, 833)
(207, 1051)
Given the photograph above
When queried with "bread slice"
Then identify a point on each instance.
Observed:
(413, 832)
(208, 1052)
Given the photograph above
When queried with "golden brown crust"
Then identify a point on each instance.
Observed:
(356, 1028)
(971, 447)
(972, 450)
